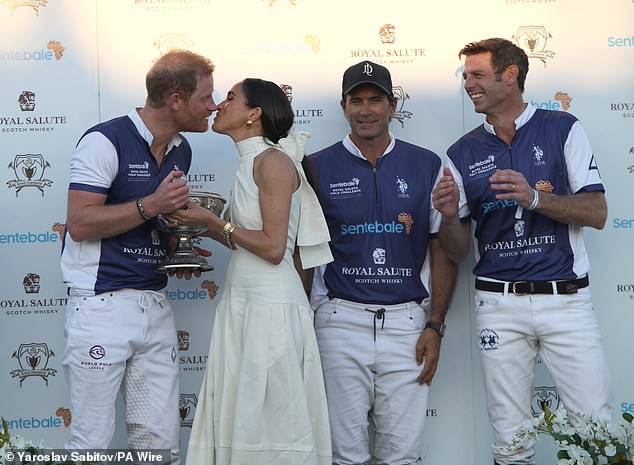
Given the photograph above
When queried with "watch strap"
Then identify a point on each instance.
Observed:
(439, 327)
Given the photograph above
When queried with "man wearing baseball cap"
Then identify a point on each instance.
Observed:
(379, 324)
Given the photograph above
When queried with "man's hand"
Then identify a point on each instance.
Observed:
(427, 354)
(188, 273)
(446, 195)
(169, 196)
(512, 185)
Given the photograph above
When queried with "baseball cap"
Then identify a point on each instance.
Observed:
(367, 72)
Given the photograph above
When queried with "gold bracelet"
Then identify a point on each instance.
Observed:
(227, 231)
(139, 206)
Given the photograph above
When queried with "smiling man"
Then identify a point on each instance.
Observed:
(378, 322)
(528, 181)
(120, 330)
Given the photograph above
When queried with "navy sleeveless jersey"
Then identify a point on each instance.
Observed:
(532, 246)
(130, 259)
(379, 221)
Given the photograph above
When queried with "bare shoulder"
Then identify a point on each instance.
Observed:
(273, 165)
(274, 156)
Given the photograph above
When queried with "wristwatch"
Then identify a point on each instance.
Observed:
(440, 327)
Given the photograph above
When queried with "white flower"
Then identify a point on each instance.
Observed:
(584, 438)
(610, 450)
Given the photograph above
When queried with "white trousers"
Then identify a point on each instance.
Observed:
(563, 330)
(123, 340)
(369, 363)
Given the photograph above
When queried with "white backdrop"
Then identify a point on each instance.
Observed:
(66, 65)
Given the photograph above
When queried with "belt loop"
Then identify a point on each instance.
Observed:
(555, 289)
(507, 286)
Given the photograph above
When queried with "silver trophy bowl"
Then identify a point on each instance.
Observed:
(185, 257)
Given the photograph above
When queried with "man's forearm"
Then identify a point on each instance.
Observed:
(583, 209)
(443, 280)
(455, 239)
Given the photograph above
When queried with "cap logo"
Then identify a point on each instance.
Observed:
(367, 69)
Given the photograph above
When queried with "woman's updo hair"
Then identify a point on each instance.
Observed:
(277, 114)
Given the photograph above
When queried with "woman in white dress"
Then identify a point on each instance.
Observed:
(263, 400)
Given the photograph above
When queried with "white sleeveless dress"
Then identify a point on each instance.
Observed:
(262, 400)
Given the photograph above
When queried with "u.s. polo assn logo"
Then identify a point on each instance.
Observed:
(538, 155)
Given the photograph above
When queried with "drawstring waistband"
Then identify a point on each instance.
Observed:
(379, 314)
(147, 298)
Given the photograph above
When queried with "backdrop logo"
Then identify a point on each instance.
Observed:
(57, 48)
(26, 100)
(34, 4)
(623, 223)
(544, 397)
(560, 102)
(186, 361)
(625, 289)
(34, 423)
(288, 91)
(627, 108)
(631, 167)
(387, 34)
(29, 120)
(533, 40)
(31, 283)
(564, 99)
(313, 41)
(33, 305)
(305, 46)
(401, 97)
(170, 5)
(517, 2)
(192, 294)
(186, 407)
(168, 41)
(621, 41)
(183, 339)
(28, 238)
(65, 414)
(302, 115)
(211, 287)
(195, 180)
(54, 50)
(29, 170)
(385, 52)
(33, 360)
(59, 228)
(272, 2)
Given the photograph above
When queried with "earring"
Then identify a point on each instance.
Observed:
(248, 124)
